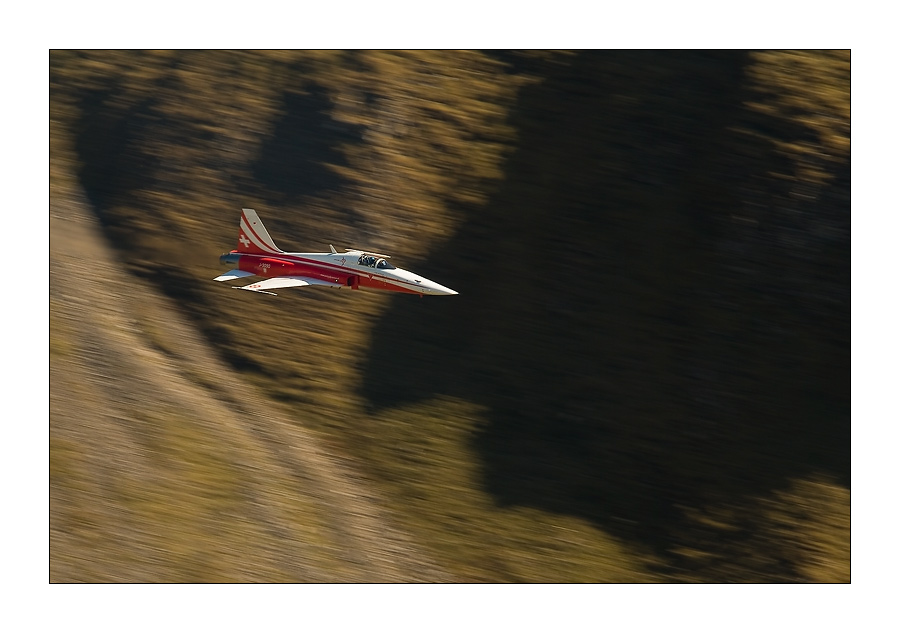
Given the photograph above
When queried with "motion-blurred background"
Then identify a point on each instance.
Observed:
(645, 376)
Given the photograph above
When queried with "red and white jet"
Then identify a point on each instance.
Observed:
(256, 254)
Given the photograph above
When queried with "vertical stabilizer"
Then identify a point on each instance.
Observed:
(254, 238)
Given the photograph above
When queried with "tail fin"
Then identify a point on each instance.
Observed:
(254, 238)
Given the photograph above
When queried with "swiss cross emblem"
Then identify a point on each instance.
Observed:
(243, 240)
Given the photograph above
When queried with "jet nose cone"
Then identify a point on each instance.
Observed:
(433, 288)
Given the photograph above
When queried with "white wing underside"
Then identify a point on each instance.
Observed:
(286, 282)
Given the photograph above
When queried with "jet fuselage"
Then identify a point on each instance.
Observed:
(348, 269)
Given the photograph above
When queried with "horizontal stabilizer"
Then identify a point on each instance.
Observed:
(233, 274)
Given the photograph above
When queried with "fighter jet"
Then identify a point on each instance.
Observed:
(256, 254)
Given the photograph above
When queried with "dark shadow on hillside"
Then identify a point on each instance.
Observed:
(127, 146)
(295, 157)
(653, 321)
(108, 141)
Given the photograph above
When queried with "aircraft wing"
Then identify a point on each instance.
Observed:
(286, 282)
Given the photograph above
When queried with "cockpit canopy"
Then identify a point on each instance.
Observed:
(374, 262)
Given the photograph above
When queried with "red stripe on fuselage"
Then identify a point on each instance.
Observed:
(269, 266)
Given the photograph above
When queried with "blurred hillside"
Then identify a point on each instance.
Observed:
(646, 373)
